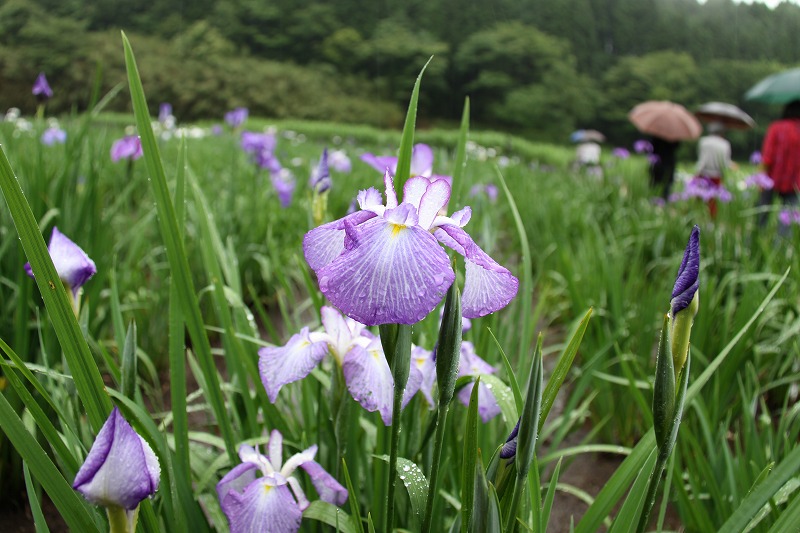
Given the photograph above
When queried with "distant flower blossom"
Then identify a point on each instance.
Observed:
(642, 146)
(54, 135)
(354, 348)
(658, 201)
(261, 147)
(121, 469)
(339, 161)
(262, 494)
(788, 217)
(320, 180)
(423, 371)
(421, 163)
(620, 153)
(490, 190)
(216, 130)
(705, 189)
(653, 158)
(383, 264)
(164, 112)
(755, 158)
(237, 117)
(284, 183)
(72, 264)
(41, 89)
(12, 114)
(760, 180)
(129, 147)
(472, 365)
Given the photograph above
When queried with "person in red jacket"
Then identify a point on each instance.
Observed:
(780, 155)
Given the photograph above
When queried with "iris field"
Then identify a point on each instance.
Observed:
(244, 399)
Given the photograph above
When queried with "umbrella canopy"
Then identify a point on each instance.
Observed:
(727, 114)
(780, 88)
(581, 136)
(666, 120)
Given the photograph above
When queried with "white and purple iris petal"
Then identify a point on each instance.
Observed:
(421, 161)
(72, 264)
(261, 494)
(472, 365)
(424, 366)
(121, 468)
(129, 147)
(383, 265)
(280, 365)
(369, 379)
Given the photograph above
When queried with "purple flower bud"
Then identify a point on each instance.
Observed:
(121, 468)
(620, 153)
(320, 180)
(509, 449)
(688, 279)
(755, 158)
(129, 147)
(41, 89)
(72, 264)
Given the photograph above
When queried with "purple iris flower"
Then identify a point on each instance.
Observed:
(642, 146)
(490, 190)
(620, 153)
(755, 158)
(216, 130)
(41, 89)
(261, 147)
(788, 217)
(383, 264)
(339, 161)
(262, 494)
(320, 180)
(121, 469)
(353, 347)
(284, 183)
(760, 180)
(236, 117)
(705, 189)
(471, 364)
(164, 112)
(54, 135)
(72, 264)
(653, 158)
(688, 278)
(423, 370)
(129, 147)
(421, 161)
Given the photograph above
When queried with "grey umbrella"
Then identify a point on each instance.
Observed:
(728, 114)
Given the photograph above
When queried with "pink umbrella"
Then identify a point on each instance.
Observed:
(666, 120)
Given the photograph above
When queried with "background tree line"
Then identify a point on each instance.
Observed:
(538, 67)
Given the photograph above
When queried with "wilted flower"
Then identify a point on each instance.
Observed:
(121, 469)
(339, 161)
(354, 348)
(642, 146)
(237, 117)
(54, 135)
(759, 180)
(620, 153)
(383, 264)
(262, 494)
(471, 364)
(755, 158)
(41, 89)
(129, 147)
(320, 180)
(72, 264)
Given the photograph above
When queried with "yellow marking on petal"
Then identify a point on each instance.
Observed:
(267, 488)
(376, 354)
(396, 228)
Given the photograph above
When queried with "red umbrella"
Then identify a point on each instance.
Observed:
(666, 120)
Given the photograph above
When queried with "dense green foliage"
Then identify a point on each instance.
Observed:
(540, 67)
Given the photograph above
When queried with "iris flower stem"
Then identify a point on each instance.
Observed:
(120, 520)
(393, 446)
(652, 490)
(511, 520)
(441, 423)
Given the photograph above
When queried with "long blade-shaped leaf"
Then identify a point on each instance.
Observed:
(179, 264)
(403, 170)
(81, 363)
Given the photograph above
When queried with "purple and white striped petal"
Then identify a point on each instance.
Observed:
(325, 243)
(422, 362)
(412, 385)
(121, 468)
(471, 364)
(369, 379)
(328, 488)
(390, 274)
(421, 160)
(280, 365)
(381, 162)
(435, 198)
(488, 286)
(262, 506)
(72, 264)
(342, 330)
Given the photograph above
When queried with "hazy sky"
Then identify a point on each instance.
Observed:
(770, 3)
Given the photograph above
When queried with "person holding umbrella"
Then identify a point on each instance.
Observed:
(713, 157)
(780, 156)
